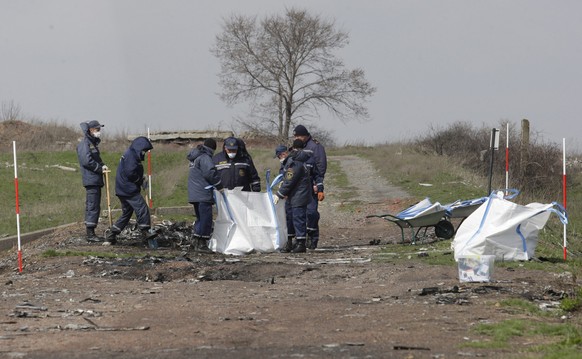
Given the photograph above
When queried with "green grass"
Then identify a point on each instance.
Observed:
(557, 340)
(522, 306)
(572, 304)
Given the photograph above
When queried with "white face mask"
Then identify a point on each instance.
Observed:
(231, 155)
(281, 160)
(97, 134)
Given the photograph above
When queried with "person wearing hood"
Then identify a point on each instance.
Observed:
(297, 188)
(236, 167)
(92, 168)
(129, 181)
(203, 178)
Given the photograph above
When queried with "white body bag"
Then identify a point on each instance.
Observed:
(248, 222)
(507, 230)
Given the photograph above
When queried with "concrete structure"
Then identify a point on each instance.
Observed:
(184, 137)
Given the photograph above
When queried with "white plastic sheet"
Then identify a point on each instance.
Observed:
(420, 209)
(247, 222)
(507, 230)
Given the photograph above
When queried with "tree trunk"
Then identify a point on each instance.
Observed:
(280, 114)
(287, 119)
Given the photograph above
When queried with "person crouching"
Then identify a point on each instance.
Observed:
(297, 189)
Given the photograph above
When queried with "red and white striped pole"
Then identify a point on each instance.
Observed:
(17, 207)
(151, 202)
(507, 160)
(564, 192)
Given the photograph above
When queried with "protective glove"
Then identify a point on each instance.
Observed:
(276, 200)
(320, 196)
(104, 168)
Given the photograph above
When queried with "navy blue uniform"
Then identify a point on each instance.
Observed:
(202, 179)
(315, 178)
(319, 156)
(297, 188)
(92, 175)
(239, 171)
(128, 182)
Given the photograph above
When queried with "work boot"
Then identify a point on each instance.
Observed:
(288, 246)
(92, 237)
(312, 244)
(202, 246)
(299, 246)
(311, 240)
(110, 238)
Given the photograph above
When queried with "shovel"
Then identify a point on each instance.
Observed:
(106, 173)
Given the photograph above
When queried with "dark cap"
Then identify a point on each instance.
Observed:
(94, 124)
(280, 149)
(298, 144)
(300, 130)
(231, 143)
(210, 143)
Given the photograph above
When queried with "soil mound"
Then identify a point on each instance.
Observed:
(37, 136)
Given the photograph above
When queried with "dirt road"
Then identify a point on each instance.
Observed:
(348, 299)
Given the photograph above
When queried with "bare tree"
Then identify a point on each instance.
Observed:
(9, 111)
(285, 66)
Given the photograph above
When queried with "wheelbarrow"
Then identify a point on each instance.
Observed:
(421, 216)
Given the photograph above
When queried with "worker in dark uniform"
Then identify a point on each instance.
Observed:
(317, 151)
(92, 168)
(282, 153)
(129, 182)
(236, 167)
(203, 179)
(297, 189)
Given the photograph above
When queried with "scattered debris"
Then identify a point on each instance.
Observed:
(31, 307)
(405, 347)
(94, 326)
(437, 290)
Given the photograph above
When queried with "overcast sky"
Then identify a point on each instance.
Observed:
(134, 64)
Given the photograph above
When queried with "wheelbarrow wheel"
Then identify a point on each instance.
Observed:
(444, 229)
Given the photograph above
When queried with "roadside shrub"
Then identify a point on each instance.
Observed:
(536, 170)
